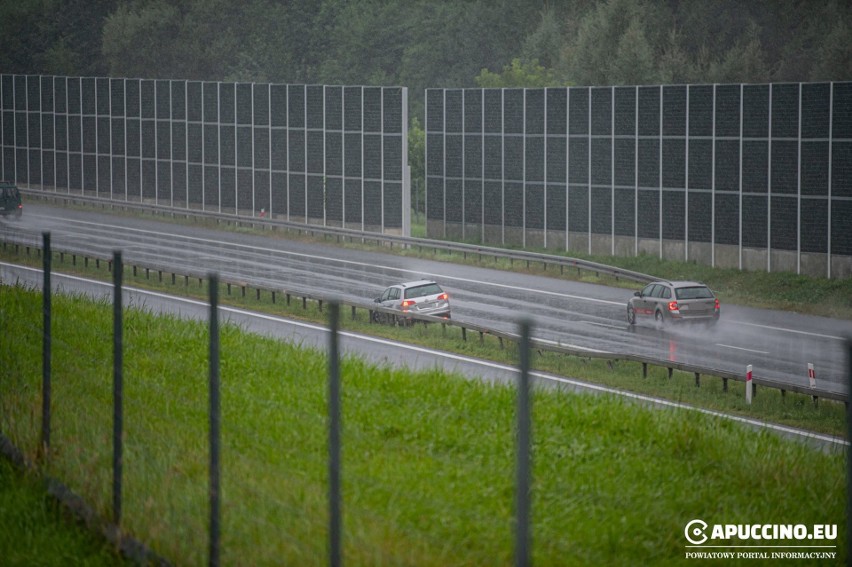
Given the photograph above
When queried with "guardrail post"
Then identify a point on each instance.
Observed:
(644, 370)
(697, 380)
(724, 384)
(45, 352)
(812, 379)
(749, 385)
(118, 387)
(671, 370)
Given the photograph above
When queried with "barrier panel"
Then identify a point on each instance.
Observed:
(732, 175)
(328, 155)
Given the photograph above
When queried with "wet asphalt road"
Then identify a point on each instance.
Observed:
(779, 345)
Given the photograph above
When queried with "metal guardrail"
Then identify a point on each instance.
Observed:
(244, 288)
(342, 234)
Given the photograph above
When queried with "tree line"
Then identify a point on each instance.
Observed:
(430, 43)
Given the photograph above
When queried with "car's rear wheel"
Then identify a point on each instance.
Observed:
(658, 317)
(631, 315)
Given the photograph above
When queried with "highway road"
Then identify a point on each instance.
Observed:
(778, 344)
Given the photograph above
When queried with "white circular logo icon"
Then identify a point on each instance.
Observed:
(694, 532)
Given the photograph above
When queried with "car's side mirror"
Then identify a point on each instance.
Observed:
(377, 300)
(637, 293)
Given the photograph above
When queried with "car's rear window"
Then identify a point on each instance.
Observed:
(423, 290)
(696, 292)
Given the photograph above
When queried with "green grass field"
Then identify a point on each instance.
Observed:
(428, 459)
(34, 530)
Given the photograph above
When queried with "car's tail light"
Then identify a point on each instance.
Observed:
(673, 306)
(717, 304)
(407, 303)
(443, 297)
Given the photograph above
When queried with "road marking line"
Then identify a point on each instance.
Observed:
(741, 348)
(620, 328)
(476, 362)
(790, 330)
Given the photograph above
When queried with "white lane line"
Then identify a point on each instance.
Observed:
(477, 362)
(568, 345)
(798, 332)
(741, 348)
(620, 328)
(352, 262)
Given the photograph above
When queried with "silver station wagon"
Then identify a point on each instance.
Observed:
(665, 301)
(421, 297)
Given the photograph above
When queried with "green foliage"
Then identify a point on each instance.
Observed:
(431, 43)
(417, 163)
(517, 74)
(834, 55)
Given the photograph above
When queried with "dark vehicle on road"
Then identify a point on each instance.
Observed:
(665, 301)
(421, 297)
(10, 200)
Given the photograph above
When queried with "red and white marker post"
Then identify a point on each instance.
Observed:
(749, 385)
(811, 375)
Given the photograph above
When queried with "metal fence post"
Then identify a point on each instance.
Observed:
(213, 279)
(45, 361)
(334, 492)
(523, 536)
(848, 457)
(118, 387)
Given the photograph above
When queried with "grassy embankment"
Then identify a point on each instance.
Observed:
(427, 458)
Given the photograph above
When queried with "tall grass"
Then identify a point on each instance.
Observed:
(427, 457)
(35, 531)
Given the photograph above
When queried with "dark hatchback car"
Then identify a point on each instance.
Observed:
(665, 301)
(10, 200)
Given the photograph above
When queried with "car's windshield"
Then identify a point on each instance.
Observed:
(422, 290)
(695, 292)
